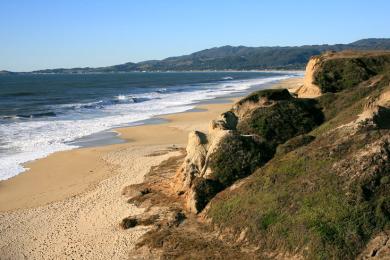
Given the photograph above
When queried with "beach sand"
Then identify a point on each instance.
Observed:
(292, 84)
(69, 204)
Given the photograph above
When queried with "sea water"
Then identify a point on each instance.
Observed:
(44, 113)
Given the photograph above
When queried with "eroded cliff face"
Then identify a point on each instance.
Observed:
(288, 178)
(330, 186)
(238, 142)
(309, 89)
(194, 176)
(333, 72)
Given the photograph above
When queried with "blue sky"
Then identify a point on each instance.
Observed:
(50, 34)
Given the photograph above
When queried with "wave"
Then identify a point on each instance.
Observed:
(37, 115)
(28, 140)
(20, 94)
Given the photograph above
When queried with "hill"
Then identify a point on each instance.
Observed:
(5, 72)
(235, 58)
(280, 176)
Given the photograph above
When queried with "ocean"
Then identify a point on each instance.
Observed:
(44, 113)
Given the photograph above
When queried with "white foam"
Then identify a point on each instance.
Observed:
(29, 140)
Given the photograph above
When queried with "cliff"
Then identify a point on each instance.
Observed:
(335, 71)
(325, 195)
(283, 177)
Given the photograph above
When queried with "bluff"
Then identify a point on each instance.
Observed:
(280, 176)
(241, 140)
(326, 194)
(336, 71)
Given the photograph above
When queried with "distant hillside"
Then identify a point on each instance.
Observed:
(5, 72)
(236, 58)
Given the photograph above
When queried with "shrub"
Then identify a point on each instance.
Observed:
(271, 94)
(205, 190)
(338, 74)
(282, 121)
(237, 157)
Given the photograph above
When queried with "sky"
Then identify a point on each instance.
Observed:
(37, 34)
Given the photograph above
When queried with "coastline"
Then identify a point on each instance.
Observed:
(53, 178)
(82, 123)
(77, 193)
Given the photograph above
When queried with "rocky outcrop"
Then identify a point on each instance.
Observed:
(194, 176)
(260, 99)
(236, 143)
(377, 248)
(317, 185)
(309, 89)
(377, 111)
(333, 72)
(345, 70)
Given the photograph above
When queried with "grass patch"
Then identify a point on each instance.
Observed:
(237, 157)
(270, 94)
(338, 74)
(297, 201)
(282, 121)
(302, 200)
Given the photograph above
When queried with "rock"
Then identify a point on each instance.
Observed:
(193, 162)
(226, 121)
(129, 223)
(196, 164)
(309, 89)
(133, 191)
(199, 148)
(377, 111)
(377, 248)
(228, 152)
(142, 220)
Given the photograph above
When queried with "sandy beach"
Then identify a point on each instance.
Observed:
(69, 204)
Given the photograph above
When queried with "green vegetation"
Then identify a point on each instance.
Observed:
(319, 197)
(294, 143)
(237, 157)
(205, 190)
(317, 182)
(282, 121)
(259, 133)
(300, 201)
(255, 142)
(344, 107)
(270, 94)
(338, 74)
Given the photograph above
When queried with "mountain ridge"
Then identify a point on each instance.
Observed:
(234, 58)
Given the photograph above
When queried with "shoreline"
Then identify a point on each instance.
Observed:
(70, 203)
(38, 186)
(53, 178)
(157, 71)
(59, 135)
